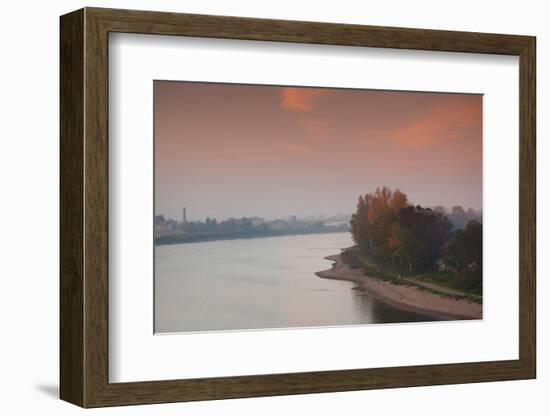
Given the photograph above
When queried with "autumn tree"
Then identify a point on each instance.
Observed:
(415, 239)
(376, 213)
(360, 229)
(388, 228)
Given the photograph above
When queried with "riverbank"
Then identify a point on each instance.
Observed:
(403, 297)
(204, 237)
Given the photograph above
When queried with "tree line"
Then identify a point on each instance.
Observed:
(414, 239)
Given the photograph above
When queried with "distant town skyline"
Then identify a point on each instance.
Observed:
(231, 150)
(310, 217)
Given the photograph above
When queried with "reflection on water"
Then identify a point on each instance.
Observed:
(260, 283)
(384, 313)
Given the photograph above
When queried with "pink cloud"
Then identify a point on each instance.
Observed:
(300, 99)
(443, 124)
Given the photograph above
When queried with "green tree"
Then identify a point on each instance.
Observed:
(404, 247)
(431, 231)
(464, 255)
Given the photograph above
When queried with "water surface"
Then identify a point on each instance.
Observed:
(260, 283)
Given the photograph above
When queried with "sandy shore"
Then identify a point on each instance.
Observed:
(403, 297)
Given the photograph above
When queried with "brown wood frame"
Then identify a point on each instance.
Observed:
(84, 207)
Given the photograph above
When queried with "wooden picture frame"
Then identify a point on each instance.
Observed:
(84, 207)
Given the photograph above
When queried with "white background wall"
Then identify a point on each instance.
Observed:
(29, 159)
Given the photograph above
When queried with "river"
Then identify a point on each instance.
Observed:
(260, 283)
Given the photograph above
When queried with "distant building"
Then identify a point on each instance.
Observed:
(166, 227)
(256, 221)
(279, 225)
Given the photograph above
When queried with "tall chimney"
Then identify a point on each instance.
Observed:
(184, 215)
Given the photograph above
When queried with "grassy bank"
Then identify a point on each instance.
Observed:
(437, 282)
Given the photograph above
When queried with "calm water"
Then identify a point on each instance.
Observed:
(260, 283)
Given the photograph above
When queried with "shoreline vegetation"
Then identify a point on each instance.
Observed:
(199, 238)
(414, 258)
(405, 293)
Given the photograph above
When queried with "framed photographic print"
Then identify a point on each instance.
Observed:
(255, 207)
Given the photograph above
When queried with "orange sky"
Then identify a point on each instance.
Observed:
(242, 150)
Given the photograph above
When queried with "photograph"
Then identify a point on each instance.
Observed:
(284, 206)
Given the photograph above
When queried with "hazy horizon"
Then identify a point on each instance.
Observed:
(308, 217)
(234, 150)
